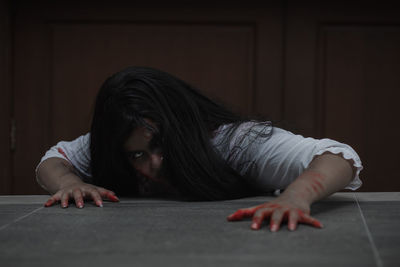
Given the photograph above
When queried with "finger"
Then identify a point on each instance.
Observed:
(104, 192)
(293, 219)
(259, 217)
(50, 201)
(305, 218)
(96, 197)
(240, 214)
(110, 195)
(77, 193)
(276, 219)
(64, 200)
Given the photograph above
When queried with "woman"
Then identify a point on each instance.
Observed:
(154, 135)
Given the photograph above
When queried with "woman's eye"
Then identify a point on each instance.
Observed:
(136, 155)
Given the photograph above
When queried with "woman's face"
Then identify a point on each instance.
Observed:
(145, 156)
(146, 159)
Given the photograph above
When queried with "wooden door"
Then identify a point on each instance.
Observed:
(324, 69)
(6, 97)
(65, 50)
(343, 63)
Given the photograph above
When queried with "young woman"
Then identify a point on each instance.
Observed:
(154, 135)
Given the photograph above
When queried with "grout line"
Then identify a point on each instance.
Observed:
(377, 257)
(20, 218)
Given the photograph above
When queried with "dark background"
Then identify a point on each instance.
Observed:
(322, 68)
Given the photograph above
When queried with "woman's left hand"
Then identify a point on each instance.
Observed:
(283, 208)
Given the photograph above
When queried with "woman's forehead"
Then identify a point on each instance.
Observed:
(151, 124)
(140, 137)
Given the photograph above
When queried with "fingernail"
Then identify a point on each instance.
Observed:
(254, 226)
(99, 204)
(65, 206)
(80, 205)
(274, 228)
(292, 227)
(113, 198)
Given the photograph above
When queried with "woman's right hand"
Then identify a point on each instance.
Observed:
(80, 191)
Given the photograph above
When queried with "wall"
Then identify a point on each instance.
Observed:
(321, 69)
(6, 97)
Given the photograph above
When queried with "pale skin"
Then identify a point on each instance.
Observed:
(326, 174)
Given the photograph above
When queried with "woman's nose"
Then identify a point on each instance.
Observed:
(156, 161)
(151, 166)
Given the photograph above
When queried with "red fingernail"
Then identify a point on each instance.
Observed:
(318, 224)
(113, 198)
(274, 228)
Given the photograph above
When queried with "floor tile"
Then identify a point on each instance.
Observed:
(12, 212)
(383, 220)
(172, 233)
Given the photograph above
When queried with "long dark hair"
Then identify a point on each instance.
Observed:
(185, 120)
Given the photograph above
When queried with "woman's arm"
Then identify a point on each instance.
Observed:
(60, 172)
(55, 173)
(326, 174)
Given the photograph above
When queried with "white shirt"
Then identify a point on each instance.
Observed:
(268, 163)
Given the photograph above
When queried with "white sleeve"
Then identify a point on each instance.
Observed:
(76, 152)
(275, 162)
(284, 156)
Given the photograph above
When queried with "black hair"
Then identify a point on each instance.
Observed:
(185, 121)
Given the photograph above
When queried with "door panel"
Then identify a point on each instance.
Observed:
(84, 55)
(361, 92)
(6, 97)
(65, 51)
(343, 58)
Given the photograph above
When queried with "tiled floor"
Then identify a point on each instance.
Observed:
(360, 229)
